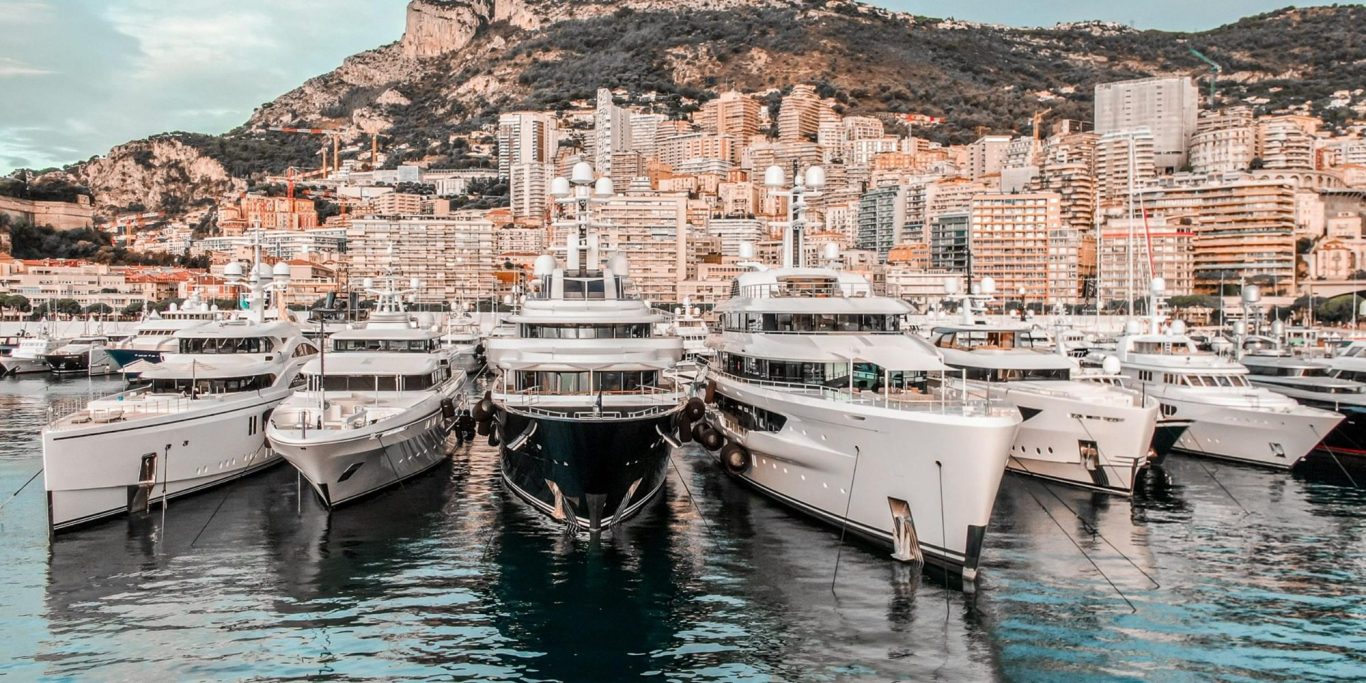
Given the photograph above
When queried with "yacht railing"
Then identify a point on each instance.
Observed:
(911, 400)
(779, 290)
(533, 400)
(132, 404)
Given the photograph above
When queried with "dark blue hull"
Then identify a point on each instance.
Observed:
(125, 356)
(590, 473)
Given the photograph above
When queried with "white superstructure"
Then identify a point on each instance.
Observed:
(28, 356)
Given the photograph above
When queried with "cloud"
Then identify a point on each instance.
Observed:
(11, 67)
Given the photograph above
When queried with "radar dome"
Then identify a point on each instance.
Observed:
(544, 265)
(830, 251)
(1239, 328)
(773, 177)
(988, 285)
(1158, 285)
(604, 188)
(233, 270)
(815, 177)
(1133, 327)
(619, 265)
(582, 174)
(746, 250)
(559, 187)
(951, 285)
(1111, 365)
(1252, 294)
(1178, 327)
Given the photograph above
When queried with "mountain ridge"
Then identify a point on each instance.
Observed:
(460, 62)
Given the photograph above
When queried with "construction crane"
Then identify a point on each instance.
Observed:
(374, 147)
(1037, 120)
(1214, 68)
(334, 133)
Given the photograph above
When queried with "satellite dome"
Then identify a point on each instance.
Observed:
(1111, 365)
(233, 270)
(951, 285)
(988, 285)
(746, 250)
(815, 177)
(544, 265)
(1252, 294)
(773, 177)
(619, 265)
(282, 270)
(1158, 285)
(604, 188)
(559, 187)
(830, 251)
(1178, 327)
(582, 174)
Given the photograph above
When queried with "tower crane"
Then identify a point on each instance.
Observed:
(334, 133)
(1215, 70)
(1038, 120)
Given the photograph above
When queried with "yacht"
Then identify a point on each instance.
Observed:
(1231, 419)
(30, 356)
(376, 408)
(584, 404)
(688, 325)
(1337, 384)
(1087, 434)
(824, 405)
(154, 336)
(464, 337)
(197, 420)
(86, 355)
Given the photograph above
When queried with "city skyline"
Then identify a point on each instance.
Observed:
(82, 79)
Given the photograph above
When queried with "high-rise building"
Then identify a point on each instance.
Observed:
(528, 189)
(735, 231)
(1224, 141)
(645, 132)
(881, 216)
(1244, 229)
(987, 155)
(651, 229)
(1130, 254)
(733, 113)
(525, 137)
(1165, 106)
(949, 242)
(453, 255)
(1124, 162)
(801, 114)
(611, 131)
(1020, 241)
(1285, 142)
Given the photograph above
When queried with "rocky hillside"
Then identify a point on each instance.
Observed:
(460, 62)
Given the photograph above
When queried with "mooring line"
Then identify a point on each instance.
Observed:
(16, 493)
(1322, 442)
(688, 491)
(226, 491)
(844, 521)
(1102, 573)
(1088, 527)
(1215, 479)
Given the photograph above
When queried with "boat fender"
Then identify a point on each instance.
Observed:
(493, 435)
(710, 396)
(479, 350)
(735, 458)
(711, 439)
(694, 409)
(482, 427)
(698, 429)
(484, 409)
(447, 409)
(682, 427)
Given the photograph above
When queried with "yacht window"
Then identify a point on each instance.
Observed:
(221, 345)
(389, 345)
(217, 385)
(749, 417)
(357, 383)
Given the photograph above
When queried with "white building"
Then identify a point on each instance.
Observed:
(1165, 106)
(453, 255)
(525, 137)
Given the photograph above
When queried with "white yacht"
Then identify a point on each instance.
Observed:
(1231, 419)
(30, 355)
(154, 336)
(825, 406)
(464, 337)
(584, 406)
(1087, 434)
(687, 324)
(376, 408)
(1337, 384)
(197, 420)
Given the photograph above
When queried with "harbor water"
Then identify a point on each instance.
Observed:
(1213, 572)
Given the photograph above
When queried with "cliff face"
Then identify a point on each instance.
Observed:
(156, 173)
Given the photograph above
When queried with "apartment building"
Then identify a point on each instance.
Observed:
(1166, 107)
(1130, 254)
(526, 137)
(452, 255)
(1020, 241)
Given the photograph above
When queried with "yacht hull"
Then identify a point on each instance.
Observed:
(342, 470)
(1259, 437)
(124, 357)
(1068, 440)
(100, 470)
(92, 362)
(920, 483)
(23, 366)
(591, 474)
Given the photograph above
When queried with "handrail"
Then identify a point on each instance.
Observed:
(884, 398)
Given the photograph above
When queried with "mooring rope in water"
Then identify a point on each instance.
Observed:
(16, 493)
(688, 491)
(226, 491)
(1215, 479)
(844, 521)
(1102, 573)
(1330, 452)
(944, 536)
(1088, 527)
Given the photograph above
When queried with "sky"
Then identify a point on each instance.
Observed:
(78, 77)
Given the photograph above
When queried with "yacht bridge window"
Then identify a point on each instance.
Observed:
(575, 382)
(811, 322)
(1215, 380)
(1017, 374)
(1288, 371)
(390, 345)
(562, 331)
(834, 375)
(364, 383)
(217, 385)
(223, 345)
(983, 339)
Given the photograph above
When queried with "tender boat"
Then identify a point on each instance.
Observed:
(86, 355)
(30, 356)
